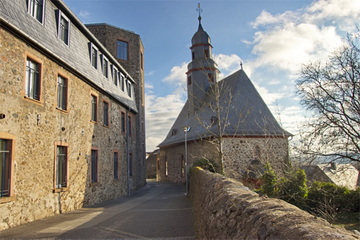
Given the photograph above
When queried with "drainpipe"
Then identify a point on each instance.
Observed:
(127, 151)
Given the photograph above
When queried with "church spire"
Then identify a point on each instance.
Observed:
(199, 10)
(202, 70)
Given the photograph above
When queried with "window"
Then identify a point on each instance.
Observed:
(123, 122)
(93, 108)
(129, 125)
(115, 74)
(94, 166)
(104, 66)
(206, 53)
(63, 28)
(32, 79)
(5, 166)
(193, 55)
(122, 50)
(130, 164)
(210, 77)
(106, 113)
(36, 9)
(62, 93)
(61, 166)
(116, 165)
(129, 88)
(189, 80)
(122, 82)
(93, 55)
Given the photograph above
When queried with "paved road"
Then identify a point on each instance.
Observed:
(156, 211)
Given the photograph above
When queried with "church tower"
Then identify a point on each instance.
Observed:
(202, 70)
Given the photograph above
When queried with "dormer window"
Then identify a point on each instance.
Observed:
(122, 80)
(129, 88)
(93, 55)
(63, 28)
(115, 74)
(105, 65)
(36, 9)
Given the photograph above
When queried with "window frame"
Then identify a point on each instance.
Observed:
(106, 115)
(122, 79)
(94, 166)
(94, 110)
(124, 50)
(93, 57)
(28, 82)
(12, 139)
(123, 122)
(61, 16)
(65, 94)
(104, 65)
(65, 173)
(116, 164)
(115, 75)
(30, 10)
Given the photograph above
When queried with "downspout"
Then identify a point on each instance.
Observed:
(127, 151)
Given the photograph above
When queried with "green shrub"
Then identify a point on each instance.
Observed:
(269, 180)
(293, 189)
(206, 164)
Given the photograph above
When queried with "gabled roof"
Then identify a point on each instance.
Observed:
(75, 56)
(243, 113)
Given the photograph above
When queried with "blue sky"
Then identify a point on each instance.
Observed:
(272, 38)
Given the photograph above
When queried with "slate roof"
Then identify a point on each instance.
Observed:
(242, 113)
(13, 15)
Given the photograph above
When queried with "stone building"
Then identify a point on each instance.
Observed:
(71, 116)
(225, 122)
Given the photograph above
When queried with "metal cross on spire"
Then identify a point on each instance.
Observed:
(199, 10)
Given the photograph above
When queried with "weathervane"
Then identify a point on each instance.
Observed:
(199, 10)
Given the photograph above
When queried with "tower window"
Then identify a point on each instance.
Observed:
(206, 52)
(122, 50)
(189, 80)
(211, 77)
(193, 55)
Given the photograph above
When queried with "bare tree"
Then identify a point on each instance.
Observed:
(332, 92)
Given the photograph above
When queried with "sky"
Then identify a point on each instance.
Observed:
(271, 38)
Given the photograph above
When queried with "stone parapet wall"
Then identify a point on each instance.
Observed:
(225, 209)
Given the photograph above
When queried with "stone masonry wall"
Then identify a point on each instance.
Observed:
(242, 157)
(38, 126)
(225, 209)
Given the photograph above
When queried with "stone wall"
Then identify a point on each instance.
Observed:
(243, 157)
(225, 209)
(37, 127)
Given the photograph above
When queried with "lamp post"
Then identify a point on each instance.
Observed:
(186, 130)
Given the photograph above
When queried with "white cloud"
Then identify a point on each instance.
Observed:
(177, 75)
(84, 14)
(149, 86)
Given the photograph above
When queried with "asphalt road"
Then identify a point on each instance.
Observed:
(156, 211)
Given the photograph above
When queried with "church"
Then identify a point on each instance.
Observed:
(224, 123)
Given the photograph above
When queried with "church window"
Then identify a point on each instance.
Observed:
(214, 120)
(6, 158)
(173, 132)
(36, 9)
(63, 28)
(206, 53)
(193, 55)
(122, 50)
(211, 77)
(189, 80)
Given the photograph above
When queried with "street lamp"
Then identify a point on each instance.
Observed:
(186, 130)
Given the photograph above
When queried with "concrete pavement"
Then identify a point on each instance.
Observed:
(156, 211)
